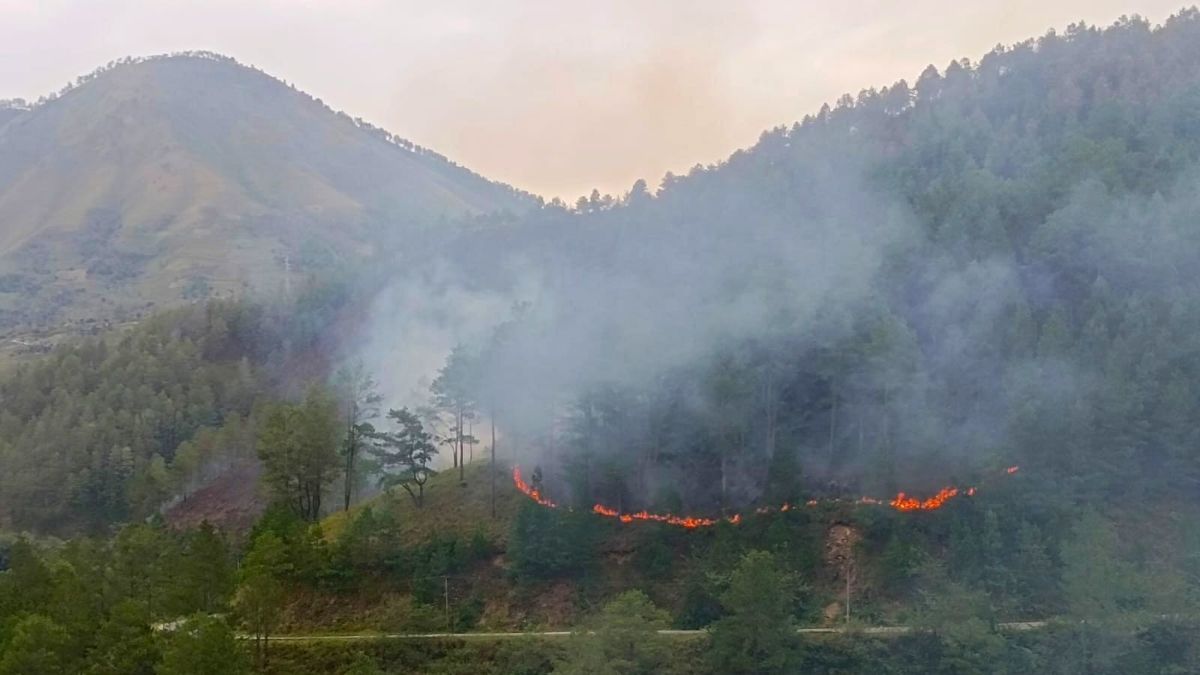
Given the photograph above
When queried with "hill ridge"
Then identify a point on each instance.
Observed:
(22, 105)
(153, 181)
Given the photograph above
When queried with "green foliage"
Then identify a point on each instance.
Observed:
(287, 546)
(1167, 647)
(961, 618)
(144, 564)
(622, 640)
(362, 664)
(27, 584)
(467, 613)
(359, 394)
(1035, 304)
(900, 561)
(260, 595)
(207, 563)
(203, 645)
(115, 413)
(368, 544)
(653, 556)
(701, 607)
(419, 617)
(259, 603)
(1035, 574)
(37, 645)
(454, 397)
(125, 643)
(428, 563)
(547, 543)
(1100, 586)
(371, 547)
(298, 448)
(404, 454)
(88, 606)
(758, 634)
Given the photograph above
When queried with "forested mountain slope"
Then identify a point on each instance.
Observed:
(927, 285)
(110, 429)
(171, 178)
(994, 265)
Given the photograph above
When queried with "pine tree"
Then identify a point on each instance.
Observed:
(758, 634)
(405, 454)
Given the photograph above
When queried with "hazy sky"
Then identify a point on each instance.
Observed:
(554, 96)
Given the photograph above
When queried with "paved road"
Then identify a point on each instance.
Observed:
(1016, 626)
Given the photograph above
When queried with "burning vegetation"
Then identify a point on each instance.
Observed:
(902, 502)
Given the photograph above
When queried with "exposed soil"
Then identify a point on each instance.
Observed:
(841, 564)
(840, 542)
(231, 502)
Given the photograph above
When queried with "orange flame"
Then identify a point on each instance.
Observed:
(529, 490)
(902, 502)
(680, 521)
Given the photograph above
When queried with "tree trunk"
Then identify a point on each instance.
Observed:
(832, 418)
(351, 444)
(350, 448)
(887, 432)
(724, 453)
(772, 412)
(462, 464)
(493, 473)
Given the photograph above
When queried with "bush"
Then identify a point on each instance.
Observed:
(203, 645)
(548, 544)
(653, 557)
(467, 614)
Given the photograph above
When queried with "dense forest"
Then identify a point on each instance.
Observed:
(989, 267)
(109, 429)
(916, 287)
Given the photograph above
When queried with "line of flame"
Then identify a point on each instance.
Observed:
(902, 502)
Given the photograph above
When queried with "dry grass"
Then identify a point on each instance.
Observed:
(207, 170)
(451, 506)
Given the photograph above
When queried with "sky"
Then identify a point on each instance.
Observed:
(552, 96)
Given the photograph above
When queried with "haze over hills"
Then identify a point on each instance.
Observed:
(931, 353)
(172, 178)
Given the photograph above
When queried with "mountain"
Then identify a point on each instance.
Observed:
(9, 113)
(938, 344)
(169, 178)
(991, 266)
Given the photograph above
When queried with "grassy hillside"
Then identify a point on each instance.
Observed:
(174, 178)
(451, 506)
(666, 562)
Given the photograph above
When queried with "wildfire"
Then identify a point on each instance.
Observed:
(681, 521)
(902, 502)
(529, 490)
